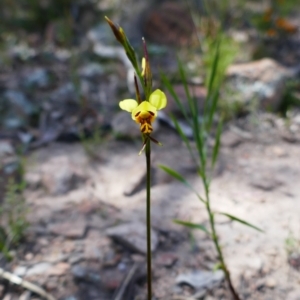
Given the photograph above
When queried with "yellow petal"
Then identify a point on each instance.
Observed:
(128, 105)
(158, 99)
(144, 108)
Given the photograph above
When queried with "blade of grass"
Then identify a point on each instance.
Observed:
(180, 178)
(212, 108)
(217, 143)
(184, 138)
(186, 88)
(233, 218)
(214, 67)
(192, 225)
(170, 88)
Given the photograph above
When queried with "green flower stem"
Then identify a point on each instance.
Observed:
(216, 242)
(148, 217)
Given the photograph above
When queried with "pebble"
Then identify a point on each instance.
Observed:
(166, 259)
(59, 269)
(201, 279)
(39, 268)
(74, 229)
(82, 273)
(133, 235)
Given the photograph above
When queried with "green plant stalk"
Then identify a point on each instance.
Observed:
(216, 242)
(148, 217)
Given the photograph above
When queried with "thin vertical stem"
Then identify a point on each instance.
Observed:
(215, 239)
(148, 217)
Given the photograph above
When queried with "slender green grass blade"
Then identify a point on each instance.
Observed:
(212, 95)
(175, 174)
(233, 218)
(184, 138)
(180, 178)
(214, 70)
(192, 225)
(217, 144)
(212, 108)
(190, 99)
(171, 90)
(183, 78)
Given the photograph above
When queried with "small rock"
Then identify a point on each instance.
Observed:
(277, 151)
(59, 269)
(37, 78)
(33, 180)
(71, 298)
(55, 257)
(52, 283)
(100, 33)
(266, 183)
(19, 101)
(230, 139)
(112, 278)
(2, 287)
(294, 295)
(17, 109)
(166, 259)
(111, 259)
(96, 221)
(92, 252)
(138, 258)
(29, 256)
(6, 149)
(74, 229)
(133, 236)
(39, 268)
(65, 93)
(260, 83)
(76, 258)
(91, 70)
(82, 273)
(136, 179)
(59, 182)
(201, 279)
(20, 271)
(68, 247)
(270, 283)
(59, 177)
(23, 51)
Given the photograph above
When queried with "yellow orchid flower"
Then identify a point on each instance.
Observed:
(145, 112)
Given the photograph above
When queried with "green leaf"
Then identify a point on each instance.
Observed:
(180, 178)
(233, 218)
(174, 174)
(214, 68)
(212, 107)
(217, 143)
(171, 90)
(184, 138)
(191, 102)
(192, 225)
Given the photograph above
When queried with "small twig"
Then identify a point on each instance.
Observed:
(25, 284)
(126, 282)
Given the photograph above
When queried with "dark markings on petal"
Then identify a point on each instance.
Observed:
(151, 113)
(137, 113)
